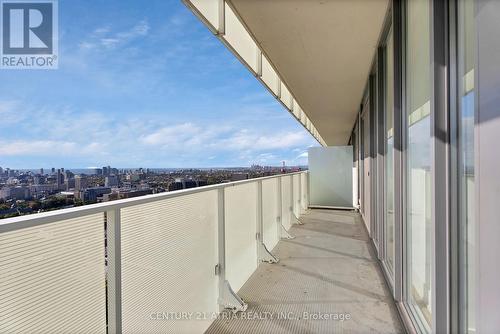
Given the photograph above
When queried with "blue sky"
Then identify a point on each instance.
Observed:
(142, 83)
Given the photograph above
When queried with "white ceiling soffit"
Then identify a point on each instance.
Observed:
(313, 55)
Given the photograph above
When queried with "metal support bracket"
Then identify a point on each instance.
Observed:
(230, 300)
(266, 255)
(284, 234)
(296, 220)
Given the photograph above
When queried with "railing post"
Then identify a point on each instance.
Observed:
(291, 197)
(279, 219)
(228, 299)
(293, 218)
(300, 193)
(114, 279)
(260, 224)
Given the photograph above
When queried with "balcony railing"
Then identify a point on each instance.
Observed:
(160, 263)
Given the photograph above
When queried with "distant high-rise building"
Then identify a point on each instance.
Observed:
(41, 171)
(68, 175)
(59, 179)
(37, 180)
(80, 183)
(1, 170)
(98, 171)
(53, 170)
(105, 171)
(111, 181)
(69, 184)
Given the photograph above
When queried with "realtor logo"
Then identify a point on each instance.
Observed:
(29, 34)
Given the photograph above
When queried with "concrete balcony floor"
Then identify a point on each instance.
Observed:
(328, 269)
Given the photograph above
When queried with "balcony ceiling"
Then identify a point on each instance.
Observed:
(322, 50)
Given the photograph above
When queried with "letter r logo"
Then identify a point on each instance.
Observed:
(27, 27)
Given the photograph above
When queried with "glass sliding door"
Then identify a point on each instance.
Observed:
(389, 145)
(466, 62)
(418, 161)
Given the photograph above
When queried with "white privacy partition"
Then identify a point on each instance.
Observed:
(240, 231)
(169, 248)
(330, 176)
(286, 202)
(270, 213)
(52, 277)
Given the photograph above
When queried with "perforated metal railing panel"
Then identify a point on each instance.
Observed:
(270, 213)
(241, 229)
(286, 201)
(52, 277)
(169, 252)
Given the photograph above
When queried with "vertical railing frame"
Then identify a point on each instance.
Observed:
(114, 287)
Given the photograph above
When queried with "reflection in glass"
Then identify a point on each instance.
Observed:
(418, 161)
(389, 143)
(466, 156)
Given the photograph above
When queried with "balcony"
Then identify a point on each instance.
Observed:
(191, 260)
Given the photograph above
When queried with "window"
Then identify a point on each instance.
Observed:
(389, 144)
(418, 162)
(466, 89)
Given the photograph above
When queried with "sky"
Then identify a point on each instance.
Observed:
(142, 84)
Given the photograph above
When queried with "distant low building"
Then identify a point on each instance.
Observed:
(239, 176)
(112, 181)
(126, 194)
(179, 184)
(16, 193)
(39, 190)
(91, 194)
(133, 177)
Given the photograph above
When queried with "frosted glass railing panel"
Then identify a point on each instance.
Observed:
(296, 195)
(169, 252)
(286, 97)
(241, 228)
(52, 277)
(237, 36)
(209, 9)
(286, 201)
(269, 76)
(270, 213)
(304, 190)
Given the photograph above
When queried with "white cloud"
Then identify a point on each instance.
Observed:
(45, 148)
(251, 140)
(303, 155)
(172, 135)
(131, 140)
(104, 37)
(195, 137)
(11, 112)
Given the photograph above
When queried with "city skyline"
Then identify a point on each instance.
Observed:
(142, 85)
